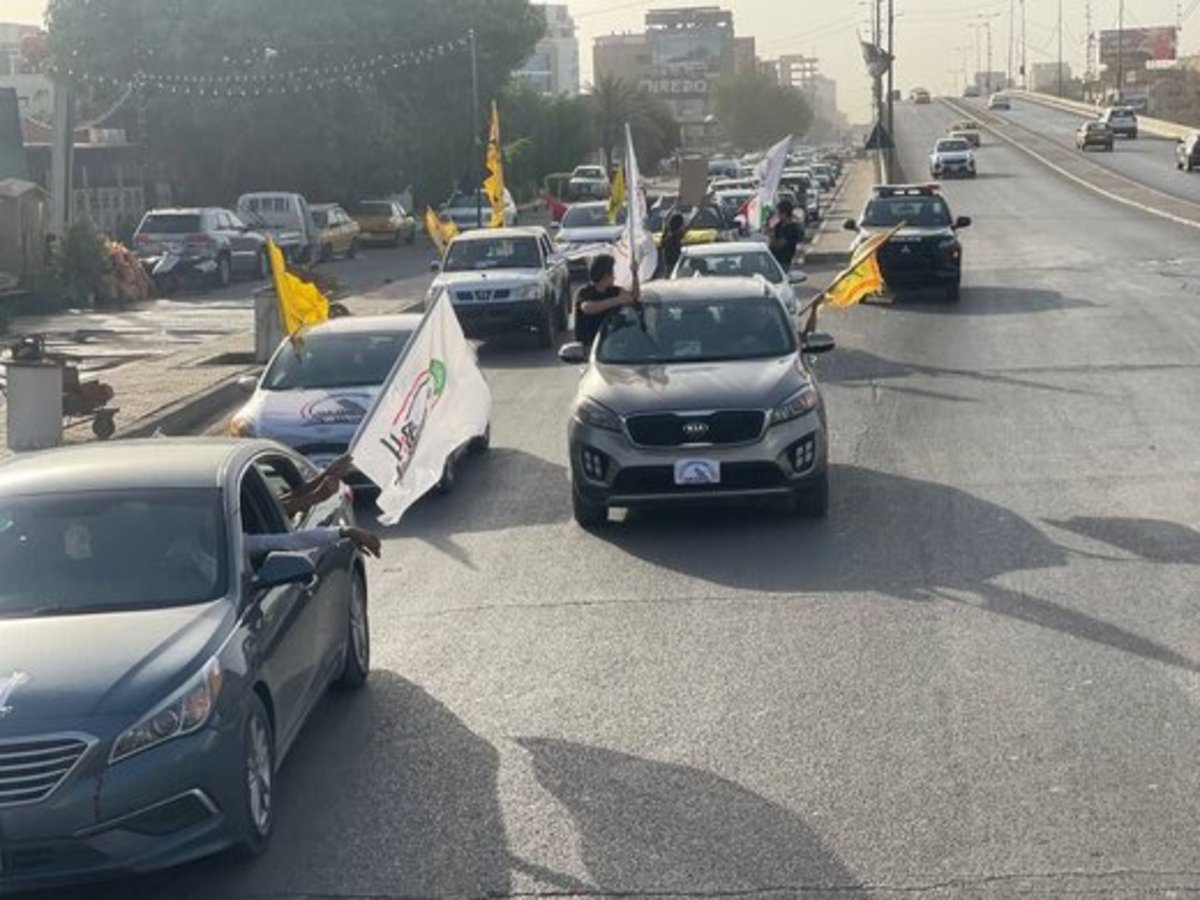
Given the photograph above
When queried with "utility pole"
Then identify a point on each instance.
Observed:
(475, 125)
(988, 77)
(62, 162)
(1011, 38)
(1089, 72)
(978, 57)
(1120, 50)
(1060, 49)
(1024, 47)
(891, 29)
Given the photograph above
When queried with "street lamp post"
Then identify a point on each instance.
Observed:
(1120, 50)
(475, 124)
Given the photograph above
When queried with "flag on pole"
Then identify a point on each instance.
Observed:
(300, 302)
(636, 246)
(862, 277)
(433, 404)
(877, 59)
(441, 233)
(493, 185)
(759, 208)
(617, 199)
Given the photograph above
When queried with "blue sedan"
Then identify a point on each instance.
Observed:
(154, 671)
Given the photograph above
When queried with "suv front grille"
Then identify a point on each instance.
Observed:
(734, 477)
(676, 430)
(908, 255)
(31, 769)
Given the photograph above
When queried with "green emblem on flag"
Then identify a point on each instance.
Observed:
(437, 372)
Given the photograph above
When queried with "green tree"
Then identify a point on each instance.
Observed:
(754, 110)
(542, 135)
(361, 134)
(615, 102)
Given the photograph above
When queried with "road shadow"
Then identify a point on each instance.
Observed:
(900, 537)
(649, 827)
(1154, 540)
(519, 351)
(386, 793)
(988, 300)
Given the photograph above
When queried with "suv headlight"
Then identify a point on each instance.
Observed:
(529, 292)
(185, 711)
(589, 412)
(799, 404)
(948, 243)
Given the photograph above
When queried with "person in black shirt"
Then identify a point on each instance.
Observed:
(600, 297)
(672, 244)
(786, 235)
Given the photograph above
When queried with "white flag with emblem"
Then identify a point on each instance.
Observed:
(432, 406)
(637, 243)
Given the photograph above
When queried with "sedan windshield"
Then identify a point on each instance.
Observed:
(495, 253)
(71, 554)
(920, 212)
(171, 223)
(336, 361)
(724, 265)
(691, 332)
(378, 208)
(590, 217)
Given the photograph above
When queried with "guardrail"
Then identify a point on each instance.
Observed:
(1156, 127)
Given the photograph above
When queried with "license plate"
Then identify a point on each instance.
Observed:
(690, 472)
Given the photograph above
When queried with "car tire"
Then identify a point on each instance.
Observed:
(258, 780)
(449, 476)
(262, 267)
(412, 237)
(812, 502)
(560, 313)
(546, 330)
(589, 514)
(357, 666)
(224, 274)
(326, 253)
(353, 251)
(954, 292)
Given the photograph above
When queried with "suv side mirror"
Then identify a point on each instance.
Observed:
(850, 225)
(573, 353)
(962, 222)
(284, 568)
(817, 342)
(247, 383)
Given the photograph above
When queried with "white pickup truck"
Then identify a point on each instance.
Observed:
(504, 280)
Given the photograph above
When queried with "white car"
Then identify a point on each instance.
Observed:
(466, 210)
(505, 280)
(742, 259)
(952, 156)
(285, 218)
(584, 232)
(1000, 101)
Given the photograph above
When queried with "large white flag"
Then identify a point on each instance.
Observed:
(434, 403)
(637, 243)
(769, 174)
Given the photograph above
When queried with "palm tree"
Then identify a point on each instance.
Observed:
(614, 102)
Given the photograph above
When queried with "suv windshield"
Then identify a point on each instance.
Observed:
(171, 223)
(378, 208)
(743, 264)
(714, 331)
(590, 217)
(71, 554)
(920, 212)
(952, 146)
(336, 360)
(495, 253)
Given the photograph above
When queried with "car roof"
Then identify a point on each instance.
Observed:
(323, 207)
(367, 324)
(486, 233)
(906, 190)
(181, 211)
(591, 204)
(725, 248)
(704, 290)
(150, 463)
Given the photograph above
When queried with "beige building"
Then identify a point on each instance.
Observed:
(625, 56)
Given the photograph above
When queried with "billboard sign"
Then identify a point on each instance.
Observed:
(1138, 46)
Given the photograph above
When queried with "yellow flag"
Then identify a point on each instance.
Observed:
(493, 185)
(863, 277)
(300, 303)
(617, 200)
(441, 233)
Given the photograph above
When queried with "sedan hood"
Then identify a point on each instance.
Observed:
(302, 418)
(494, 278)
(691, 387)
(597, 234)
(62, 670)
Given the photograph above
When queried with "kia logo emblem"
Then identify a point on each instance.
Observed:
(695, 430)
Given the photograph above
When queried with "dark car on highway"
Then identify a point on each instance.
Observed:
(1094, 134)
(1187, 152)
(153, 673)
(926, 252)
(701, 394)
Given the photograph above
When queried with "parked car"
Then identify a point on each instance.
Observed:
(1187, 152)
(505, 280)
(1094, 134)
(384, 221)
(313, 397)
(743, 259)
(702, 394)
(467, 209)
(1122, 120)
(337, 233)
(584, 231)
(283, 217)
(211, 242)
(156, 674)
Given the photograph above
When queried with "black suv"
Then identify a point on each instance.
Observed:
(926, 251)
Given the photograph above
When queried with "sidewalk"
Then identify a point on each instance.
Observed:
(832, 242)
(180, 391)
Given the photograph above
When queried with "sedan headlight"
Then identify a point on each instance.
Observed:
(528, 292)
(589, 412)
(241, 426)
(185, 711)
(799, 404)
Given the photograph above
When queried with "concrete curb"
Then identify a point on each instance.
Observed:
(185, 416)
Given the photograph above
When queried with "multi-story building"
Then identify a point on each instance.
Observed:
(553, 68)
(745, 55)
(12, 35)
(798, 70)
(625, 56)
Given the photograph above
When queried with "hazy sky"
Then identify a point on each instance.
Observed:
(933, 37)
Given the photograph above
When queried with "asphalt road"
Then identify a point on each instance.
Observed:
(1148, 160)
(980, 677)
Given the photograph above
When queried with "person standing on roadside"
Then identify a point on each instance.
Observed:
(786, 235)
(597, 299)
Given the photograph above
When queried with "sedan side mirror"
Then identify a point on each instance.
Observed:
(797, 278)
(435, 266)
(247, 383)
(817, 342)
(279, 569)
(573, 353)
(850, 225)
(962, 222)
